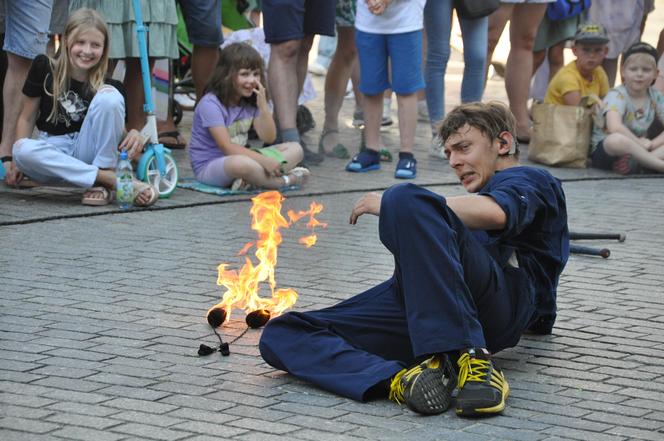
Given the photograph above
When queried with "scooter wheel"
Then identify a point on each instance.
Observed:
(165, 184)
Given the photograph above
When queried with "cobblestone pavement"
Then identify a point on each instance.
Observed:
(102, 313)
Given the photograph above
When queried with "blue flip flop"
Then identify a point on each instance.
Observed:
(364, 161)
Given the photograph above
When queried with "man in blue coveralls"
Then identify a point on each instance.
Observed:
(472, 273)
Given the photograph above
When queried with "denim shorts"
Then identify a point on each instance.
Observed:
(286, 20)
(26, 26)
(405, 54)
(203, 20)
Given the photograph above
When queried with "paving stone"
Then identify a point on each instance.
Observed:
(93, 422)
(144, 431)
(263, 426)
(141, 405)
(26, 425)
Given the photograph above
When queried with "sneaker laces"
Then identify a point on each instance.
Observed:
(473, 369)
(397, 386)
(478, 370)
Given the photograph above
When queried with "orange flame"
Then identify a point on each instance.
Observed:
(308, 241)
(243, 285)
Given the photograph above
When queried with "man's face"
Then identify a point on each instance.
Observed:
(473, 156)
(589, 56)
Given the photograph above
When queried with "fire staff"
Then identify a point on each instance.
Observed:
(472, 273)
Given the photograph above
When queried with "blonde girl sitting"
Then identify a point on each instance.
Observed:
(80, 117)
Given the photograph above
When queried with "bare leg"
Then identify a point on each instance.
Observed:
(538, 58)
(292, 152)
(17, 71)
(243, 167)
(203, 62)
(283, 81)
(336, 80)
(355, 78)
(497, 22)
(303, 62)
(617, 144)
(556, 58)
(407, 111)
(133, 83)
(519, 68)
(373, 111)
(610, 65)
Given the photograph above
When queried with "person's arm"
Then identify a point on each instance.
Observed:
(264, 122)
(223, 140)
(133, 142)
(614, 125)
(572, 98)
(478, 212)
(28, 117)
(24, 127)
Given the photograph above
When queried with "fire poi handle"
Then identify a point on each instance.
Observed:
(620, 237)
(579, 249)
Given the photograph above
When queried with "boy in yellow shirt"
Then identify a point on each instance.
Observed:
(585, 75)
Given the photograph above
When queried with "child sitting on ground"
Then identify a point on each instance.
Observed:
(79, 115)
(585, 75)
(620, 143)
(233, 101)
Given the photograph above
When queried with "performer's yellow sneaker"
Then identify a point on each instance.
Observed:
(427, 387)
(482, 386)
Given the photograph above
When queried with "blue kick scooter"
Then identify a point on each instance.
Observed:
(156, 166)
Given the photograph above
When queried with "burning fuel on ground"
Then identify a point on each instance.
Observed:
(243, 285)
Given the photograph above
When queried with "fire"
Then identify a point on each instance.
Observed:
(308, 241)
(242, 286)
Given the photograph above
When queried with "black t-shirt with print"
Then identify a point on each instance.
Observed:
(73, 102)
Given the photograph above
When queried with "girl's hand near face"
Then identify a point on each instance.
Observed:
(261, 97)
(133, 143)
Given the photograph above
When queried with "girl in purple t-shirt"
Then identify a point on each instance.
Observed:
(234, 100)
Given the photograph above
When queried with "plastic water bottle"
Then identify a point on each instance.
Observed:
(125, 182)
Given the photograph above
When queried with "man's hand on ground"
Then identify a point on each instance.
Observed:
(369, 203)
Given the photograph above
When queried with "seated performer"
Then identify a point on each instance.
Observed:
(472, 273)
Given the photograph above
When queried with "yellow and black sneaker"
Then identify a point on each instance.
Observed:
(482, 387)
(427, 387)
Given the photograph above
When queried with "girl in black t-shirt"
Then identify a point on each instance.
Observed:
(80, 117)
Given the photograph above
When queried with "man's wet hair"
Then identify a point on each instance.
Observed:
(490, 118)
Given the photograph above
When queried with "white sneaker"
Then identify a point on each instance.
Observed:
(358, 120)
(387, 113)
(436, 149)
(297, 176)
(422, 112)
(317, 69)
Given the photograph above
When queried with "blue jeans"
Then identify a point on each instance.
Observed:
(438, 25)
